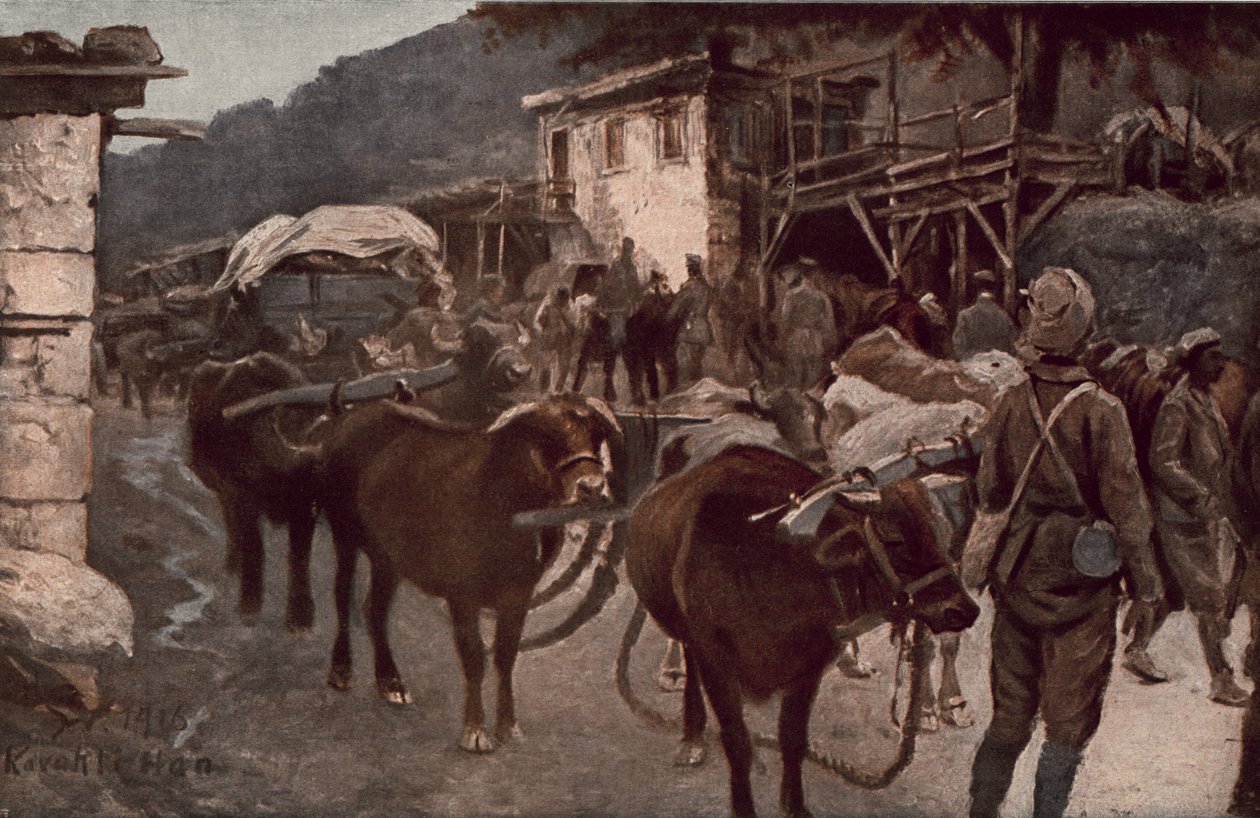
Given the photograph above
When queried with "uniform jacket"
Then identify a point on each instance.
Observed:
(981, 327)
(692, 302)
(809, 325)
(1191, 461)
(1093, 434)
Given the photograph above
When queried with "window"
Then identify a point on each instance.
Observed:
(745, 131)
(614, 144)
(670, 142)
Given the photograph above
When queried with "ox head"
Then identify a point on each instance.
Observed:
(798, 417)
(571, 441)
(496, 354)
(882, 544)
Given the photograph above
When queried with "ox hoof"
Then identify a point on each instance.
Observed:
(513, 733)
(956, 713)
(393, 691)
(690, 754)
(928, 722)
(300, 618)
(339, 679)
(671, 680)
(475, 740)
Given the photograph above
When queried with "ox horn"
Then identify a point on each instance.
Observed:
(511, 414)
(604, 411)
(522, 335)
(861, 501)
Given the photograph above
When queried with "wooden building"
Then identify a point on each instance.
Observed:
(754, 168)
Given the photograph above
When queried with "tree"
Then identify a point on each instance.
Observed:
(1190, 37)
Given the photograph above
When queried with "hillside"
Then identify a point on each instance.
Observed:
(431, 109)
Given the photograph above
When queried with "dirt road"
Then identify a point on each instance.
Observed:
(216, 718)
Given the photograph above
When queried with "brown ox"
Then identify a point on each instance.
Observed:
(756, 615)
(433, 505)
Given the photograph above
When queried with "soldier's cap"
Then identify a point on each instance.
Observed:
(656, 275)
(1061, 311)
(1192, 342)
(693, 261)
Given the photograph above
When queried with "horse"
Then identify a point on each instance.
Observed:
(861, 308)
(757, 616)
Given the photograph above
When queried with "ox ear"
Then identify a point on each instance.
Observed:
(759, 396)
(510, 415)
(522, 335)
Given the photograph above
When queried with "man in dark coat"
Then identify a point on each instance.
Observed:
(691, 306)
(1191, 458)
(982, 327)
(1054, 628)
(807, 326)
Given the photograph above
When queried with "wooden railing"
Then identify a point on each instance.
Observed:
(559, 195)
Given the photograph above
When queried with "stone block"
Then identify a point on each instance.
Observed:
(53, 607)
(60, 528)
(45, 450)
(57, 366)
(52, 284)
(49, 180)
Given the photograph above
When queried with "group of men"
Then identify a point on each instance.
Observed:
(1059, 459)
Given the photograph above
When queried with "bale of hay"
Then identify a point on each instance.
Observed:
(901, 427)
(887, 360)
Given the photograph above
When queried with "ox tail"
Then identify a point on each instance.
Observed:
(637, 706)
(572, 571)
(603, 586)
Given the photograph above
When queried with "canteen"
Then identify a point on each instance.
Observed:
(1094, 551)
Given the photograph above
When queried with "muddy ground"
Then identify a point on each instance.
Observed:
(212, 717)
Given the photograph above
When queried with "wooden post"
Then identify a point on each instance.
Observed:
(1015, 171)
(894, 242)
(481, 249)
(864, 221)
(818, 122)
(791, 132)
(893, 134)
(958, 286)
(445, 243)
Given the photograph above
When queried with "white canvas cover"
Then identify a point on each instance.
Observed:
(360, 231)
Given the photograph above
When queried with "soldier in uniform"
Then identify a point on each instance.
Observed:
(982, 327)
(553, 327)
(1191, 458)
(807, 326)
(1054, 628)
(432, 332)
(692, 306)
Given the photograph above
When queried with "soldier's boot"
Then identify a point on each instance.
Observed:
(1056, 772)
(1213, 629)
(991, 776)
(1137, 660)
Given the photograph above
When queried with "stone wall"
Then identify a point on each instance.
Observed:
(49, 182)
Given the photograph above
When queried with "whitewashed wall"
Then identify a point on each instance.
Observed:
(661, 204)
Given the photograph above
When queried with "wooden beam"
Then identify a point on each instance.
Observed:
(1048, 207)
(908, 238)
(989, 234)
(180, 129)
(859, 213)
(958, 285)
(776, 244)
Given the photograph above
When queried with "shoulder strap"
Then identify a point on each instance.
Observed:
(1043, 425)
(1007, 559)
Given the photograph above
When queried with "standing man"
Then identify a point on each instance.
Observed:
(430, 331)
(1054, 628)
(1246, 475)
(1191, 459)
(982, 327)
(553, 327)
(692, 307)
(807, 326)
(737, 310)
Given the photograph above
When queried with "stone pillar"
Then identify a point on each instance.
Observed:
(49, 184)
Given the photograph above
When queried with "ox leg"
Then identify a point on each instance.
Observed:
(300, 612)
(389, 683)
(245, 543)
(467, 626)
(340, 669)
(583, 361)
(950, 702)
(126, 388)
(509, 623)
(928, 722)
(692, 752)
(794, 742)
(728, 706)
(610, 371)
